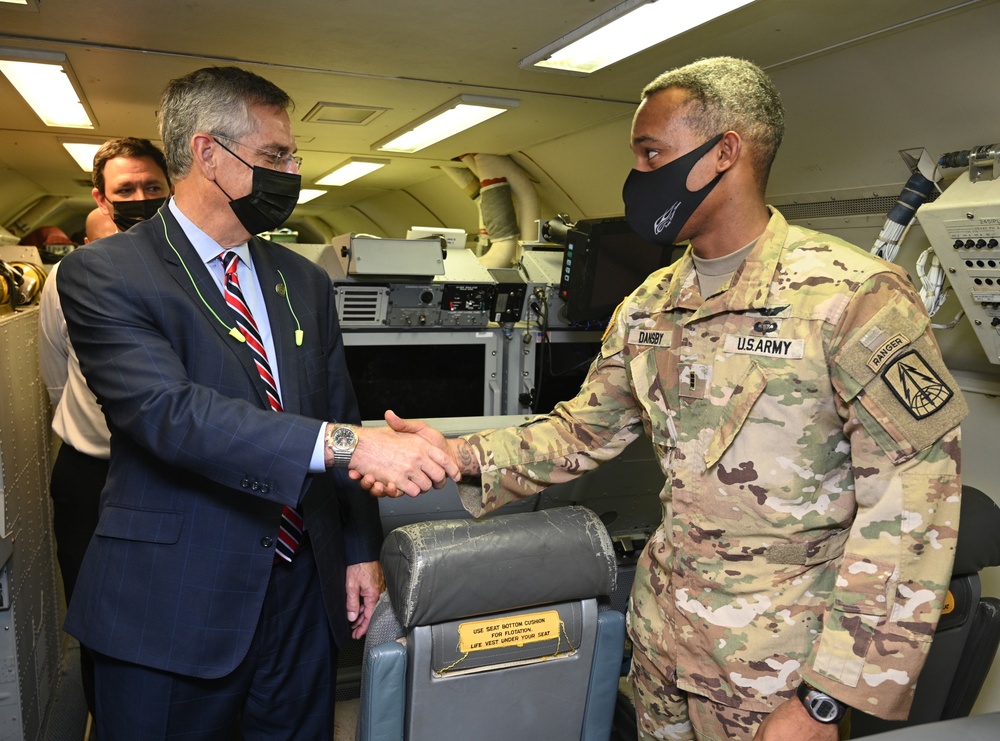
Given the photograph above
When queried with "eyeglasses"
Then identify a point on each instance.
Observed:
(281, 162)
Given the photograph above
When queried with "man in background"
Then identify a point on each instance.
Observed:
(98, 225)
(130, 176)
(130, 180)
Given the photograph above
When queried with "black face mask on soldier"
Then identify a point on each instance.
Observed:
(127, 214)
(272, 198)
(658, 203)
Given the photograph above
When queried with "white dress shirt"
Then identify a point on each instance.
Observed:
(78, 419)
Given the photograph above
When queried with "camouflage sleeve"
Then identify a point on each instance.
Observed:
(576, 437)
(901, 409)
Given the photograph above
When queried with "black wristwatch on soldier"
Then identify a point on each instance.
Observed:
(820, 705)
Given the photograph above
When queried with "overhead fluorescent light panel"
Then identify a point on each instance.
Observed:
(308, 194)
(44, 80)
(31, 5)
(352, 169)
(626, 29)
(82, 152)
(455, 116)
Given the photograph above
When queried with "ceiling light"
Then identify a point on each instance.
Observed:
(353, 169)
(456, 115)
(82, 152)
(307, 194)
(43, 79)
(625, 30)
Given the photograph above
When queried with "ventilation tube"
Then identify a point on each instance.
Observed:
(504, 186)
(468, 182)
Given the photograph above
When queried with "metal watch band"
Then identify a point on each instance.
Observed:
(341, 441)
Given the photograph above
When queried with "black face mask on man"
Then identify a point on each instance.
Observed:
(658, 203)
(127, 214)
(272, 198)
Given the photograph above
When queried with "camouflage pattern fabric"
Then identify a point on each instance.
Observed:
(668, 713)
(808, 434)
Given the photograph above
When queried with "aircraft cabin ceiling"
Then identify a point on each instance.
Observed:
(397, 58)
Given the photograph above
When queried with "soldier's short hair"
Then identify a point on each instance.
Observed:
(731, 95)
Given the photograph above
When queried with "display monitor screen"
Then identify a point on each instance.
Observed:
(560, 368)
(605, 260)
(417, 380)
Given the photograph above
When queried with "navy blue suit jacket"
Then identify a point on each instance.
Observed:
(176, 573)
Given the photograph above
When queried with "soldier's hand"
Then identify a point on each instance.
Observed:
(791, 722)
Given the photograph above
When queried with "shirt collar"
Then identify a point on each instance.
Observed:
(750, 287)
(206, 247)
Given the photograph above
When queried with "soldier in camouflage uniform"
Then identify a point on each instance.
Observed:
(806, 427)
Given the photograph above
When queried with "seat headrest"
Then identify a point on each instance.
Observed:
(978, 539)
(449, 569)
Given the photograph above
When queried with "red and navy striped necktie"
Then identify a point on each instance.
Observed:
(290, 533)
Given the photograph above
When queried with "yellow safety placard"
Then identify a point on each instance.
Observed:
(485, 635)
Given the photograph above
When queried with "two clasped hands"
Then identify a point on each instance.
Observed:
(408, 457)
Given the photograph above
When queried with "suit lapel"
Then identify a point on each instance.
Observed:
(274, 293)
(185, 266)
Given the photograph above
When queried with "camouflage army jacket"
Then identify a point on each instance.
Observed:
(808, 433)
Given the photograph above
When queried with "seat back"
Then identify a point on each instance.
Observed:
(967, 635)
(492, 629)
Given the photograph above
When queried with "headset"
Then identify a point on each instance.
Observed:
(234, 332)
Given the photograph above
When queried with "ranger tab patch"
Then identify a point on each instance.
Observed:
(886, 350)
(772, 347)
(916, 385)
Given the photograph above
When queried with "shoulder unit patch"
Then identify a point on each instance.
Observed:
(919, 389)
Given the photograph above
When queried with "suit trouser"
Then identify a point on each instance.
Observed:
(75, 488)
(283, 688)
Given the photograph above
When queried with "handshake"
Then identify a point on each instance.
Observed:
(408, 457)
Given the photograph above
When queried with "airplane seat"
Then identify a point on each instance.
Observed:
(968, 633)
(492, 629)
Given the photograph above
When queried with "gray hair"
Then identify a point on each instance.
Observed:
(214, 100)
(731, 95)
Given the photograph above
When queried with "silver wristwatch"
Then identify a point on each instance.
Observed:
(820, 705)
(341, 441)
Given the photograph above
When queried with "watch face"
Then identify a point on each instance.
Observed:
(344, 437)
(823, 707)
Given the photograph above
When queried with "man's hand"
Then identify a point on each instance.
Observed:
(364, 584)
(791, 722)
(381, 486)
(403, 463)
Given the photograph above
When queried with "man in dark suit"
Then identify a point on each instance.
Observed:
(233, 554)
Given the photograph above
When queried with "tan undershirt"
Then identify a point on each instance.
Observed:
(713, 273)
